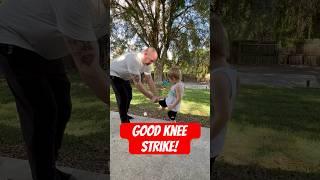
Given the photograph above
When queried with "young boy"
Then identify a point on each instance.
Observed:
(224, 84)
(173, 100)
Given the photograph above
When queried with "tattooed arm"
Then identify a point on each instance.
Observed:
(137, 82)
(86, 57)
(151, 84)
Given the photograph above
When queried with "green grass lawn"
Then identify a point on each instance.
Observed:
(195, 105)
(85, 142)
(274, 134)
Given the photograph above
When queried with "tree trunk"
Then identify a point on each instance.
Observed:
(310, 29)
(158, 71)
(158, 76)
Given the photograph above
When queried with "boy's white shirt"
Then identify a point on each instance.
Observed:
(216, 144)
(170, 99)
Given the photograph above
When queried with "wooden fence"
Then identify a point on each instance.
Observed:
(269, 53)
(254, 52)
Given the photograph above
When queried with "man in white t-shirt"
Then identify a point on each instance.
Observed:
(128, 67)
(34, 37)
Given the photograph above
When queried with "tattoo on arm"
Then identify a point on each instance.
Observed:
(82, 50)
(137, 82)
(149, 79)
(136, 78)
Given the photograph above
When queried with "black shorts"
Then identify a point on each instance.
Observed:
(171, 114)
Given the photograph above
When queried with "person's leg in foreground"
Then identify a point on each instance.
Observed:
(42, 111)
(212, 173)
(60, 85)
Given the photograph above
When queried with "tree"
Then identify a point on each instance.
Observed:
(296, 18)
(280, 20)
(180, 25)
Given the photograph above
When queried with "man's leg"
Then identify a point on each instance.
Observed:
(212, 174)
(120, 91)
(60, 86)
(36, 107)
(129, 93)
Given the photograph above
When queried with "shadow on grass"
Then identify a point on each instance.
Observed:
(226, 171)
(88, 152)
(10, 135)
(11, 142)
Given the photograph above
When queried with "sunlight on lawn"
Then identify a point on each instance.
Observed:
(194, 108)
(195, 102)
(270, 149)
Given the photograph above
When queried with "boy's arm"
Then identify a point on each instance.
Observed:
(221, 103)
(86, 57)
(138, 84)
(178, 99)
(151, 84)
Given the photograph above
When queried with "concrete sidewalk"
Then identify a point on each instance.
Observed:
(280, 75)
(15, 169)
(279, 80)
(125, 166)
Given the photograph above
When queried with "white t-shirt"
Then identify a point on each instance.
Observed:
(127, 64)
(172, 96)
(40, 25)
(216, 144)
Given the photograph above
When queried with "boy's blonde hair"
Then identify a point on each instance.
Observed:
(175, 73)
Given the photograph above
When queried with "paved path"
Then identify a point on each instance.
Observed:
(125, 166)
(279, 79)
(274, 76)
(196, 85)
(280, 76)
(15, 169)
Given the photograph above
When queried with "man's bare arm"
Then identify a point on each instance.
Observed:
(137, 82)
(151, 84)
(86, 57)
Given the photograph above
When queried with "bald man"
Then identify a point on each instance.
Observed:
(128, 67)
